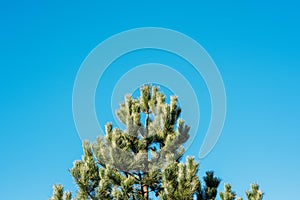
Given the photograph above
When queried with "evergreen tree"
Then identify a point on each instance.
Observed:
(144, 159)
(254, 193)
(59, 194)
(228, 194)
(211, 185)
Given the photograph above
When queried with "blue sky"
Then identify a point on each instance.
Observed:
(254, 44)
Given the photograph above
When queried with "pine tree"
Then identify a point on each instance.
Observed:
(59, 194)
(143, 160)
(254, 193)
(211, 184)
(228, 194)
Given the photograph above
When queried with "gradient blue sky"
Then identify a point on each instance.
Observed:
(255, 45)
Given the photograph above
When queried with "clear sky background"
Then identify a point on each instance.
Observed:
(255, 45)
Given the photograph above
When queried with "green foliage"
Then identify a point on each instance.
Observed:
(179, 180)
(59, 194)
(228, 194)
(144, 158)
(211, 185)
(254, 193)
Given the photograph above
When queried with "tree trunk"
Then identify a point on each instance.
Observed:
(145, 188)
